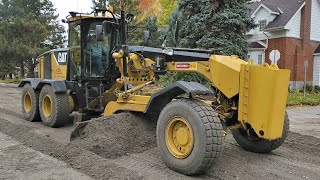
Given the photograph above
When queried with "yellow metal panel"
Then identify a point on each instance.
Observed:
(198, 67)
(225, 72)
(262, 99)
(86, 16)
(41, 68)
(133, 103)
(59, 72)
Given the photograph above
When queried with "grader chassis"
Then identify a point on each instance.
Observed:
(246, 98)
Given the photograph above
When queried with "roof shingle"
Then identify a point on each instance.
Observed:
(317, 51)
(256, 45)
(288, 7)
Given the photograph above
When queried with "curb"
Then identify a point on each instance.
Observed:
(9, 85)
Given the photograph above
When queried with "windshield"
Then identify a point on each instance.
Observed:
(96, 52)
(83, 43)
(75, 49)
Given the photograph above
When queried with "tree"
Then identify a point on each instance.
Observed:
(207, 24)
(155, 36)
(29, 28)
(130, 6)
(148, 9)
(167, 7)
(6, 66)
(173, 23)
(219, 24)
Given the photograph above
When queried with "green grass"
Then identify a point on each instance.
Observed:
(15, 81)
(297, 99)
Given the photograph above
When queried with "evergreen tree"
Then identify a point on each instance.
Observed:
(174, 21)
(28, 28)
(219, 24)
(155, 36)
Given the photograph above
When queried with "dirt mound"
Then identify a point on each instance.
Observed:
(118, 135)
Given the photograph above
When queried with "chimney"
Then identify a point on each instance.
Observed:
(306, 21)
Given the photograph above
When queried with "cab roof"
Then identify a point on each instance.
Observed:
(74, 16)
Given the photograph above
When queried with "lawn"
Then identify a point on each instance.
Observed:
(16, 81)
(297, 99)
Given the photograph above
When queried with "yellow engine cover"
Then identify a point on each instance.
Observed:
(262, 99)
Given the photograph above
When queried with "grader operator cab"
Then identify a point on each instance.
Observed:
(99, 73)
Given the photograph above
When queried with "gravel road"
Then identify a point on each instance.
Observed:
(33, 151)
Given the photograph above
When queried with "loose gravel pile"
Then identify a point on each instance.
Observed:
(118, 135)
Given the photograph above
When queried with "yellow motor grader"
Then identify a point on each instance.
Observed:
(100, 74)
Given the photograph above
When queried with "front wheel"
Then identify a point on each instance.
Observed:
(189, 136)
(259, 145)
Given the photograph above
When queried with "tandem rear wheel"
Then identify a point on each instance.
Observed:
(30, 103)
(189, 136)
(54, 108)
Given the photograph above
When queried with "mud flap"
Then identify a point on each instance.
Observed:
(262, 99)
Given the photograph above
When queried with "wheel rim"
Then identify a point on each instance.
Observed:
(47, 106)
(179, 137)
(27, 103)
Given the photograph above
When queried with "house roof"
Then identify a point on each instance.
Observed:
(286, 9)
(256, 45)
(317, 51)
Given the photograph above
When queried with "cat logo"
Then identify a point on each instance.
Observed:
(62, 57)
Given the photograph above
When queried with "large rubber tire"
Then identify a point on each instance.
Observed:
(59, 107)
(259, 145)
(30, 97)
(208, 136)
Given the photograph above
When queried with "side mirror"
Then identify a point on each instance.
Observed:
(107, 27)
(129, 17)
(146, 38)
(99, 33)
(176, 34)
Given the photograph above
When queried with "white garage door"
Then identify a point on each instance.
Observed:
(316, 70)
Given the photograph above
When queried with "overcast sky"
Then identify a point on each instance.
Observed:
(65, 6)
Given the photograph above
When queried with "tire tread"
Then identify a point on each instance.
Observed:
(61, 108)
(214, 134)
(261, 145)
(35, 100)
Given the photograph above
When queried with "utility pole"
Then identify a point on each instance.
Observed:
(305, 78)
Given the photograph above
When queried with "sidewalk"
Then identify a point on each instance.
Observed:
(305, 120)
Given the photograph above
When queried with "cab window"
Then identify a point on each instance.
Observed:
(75, 49)
(96, 53)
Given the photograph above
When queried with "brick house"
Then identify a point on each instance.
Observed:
(293, 28)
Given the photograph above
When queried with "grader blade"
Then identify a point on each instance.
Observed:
(262, 99)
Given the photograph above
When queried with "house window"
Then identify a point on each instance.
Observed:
(262, 24)
(260, 59)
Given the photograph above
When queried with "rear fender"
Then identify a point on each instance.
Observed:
(37, 84)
